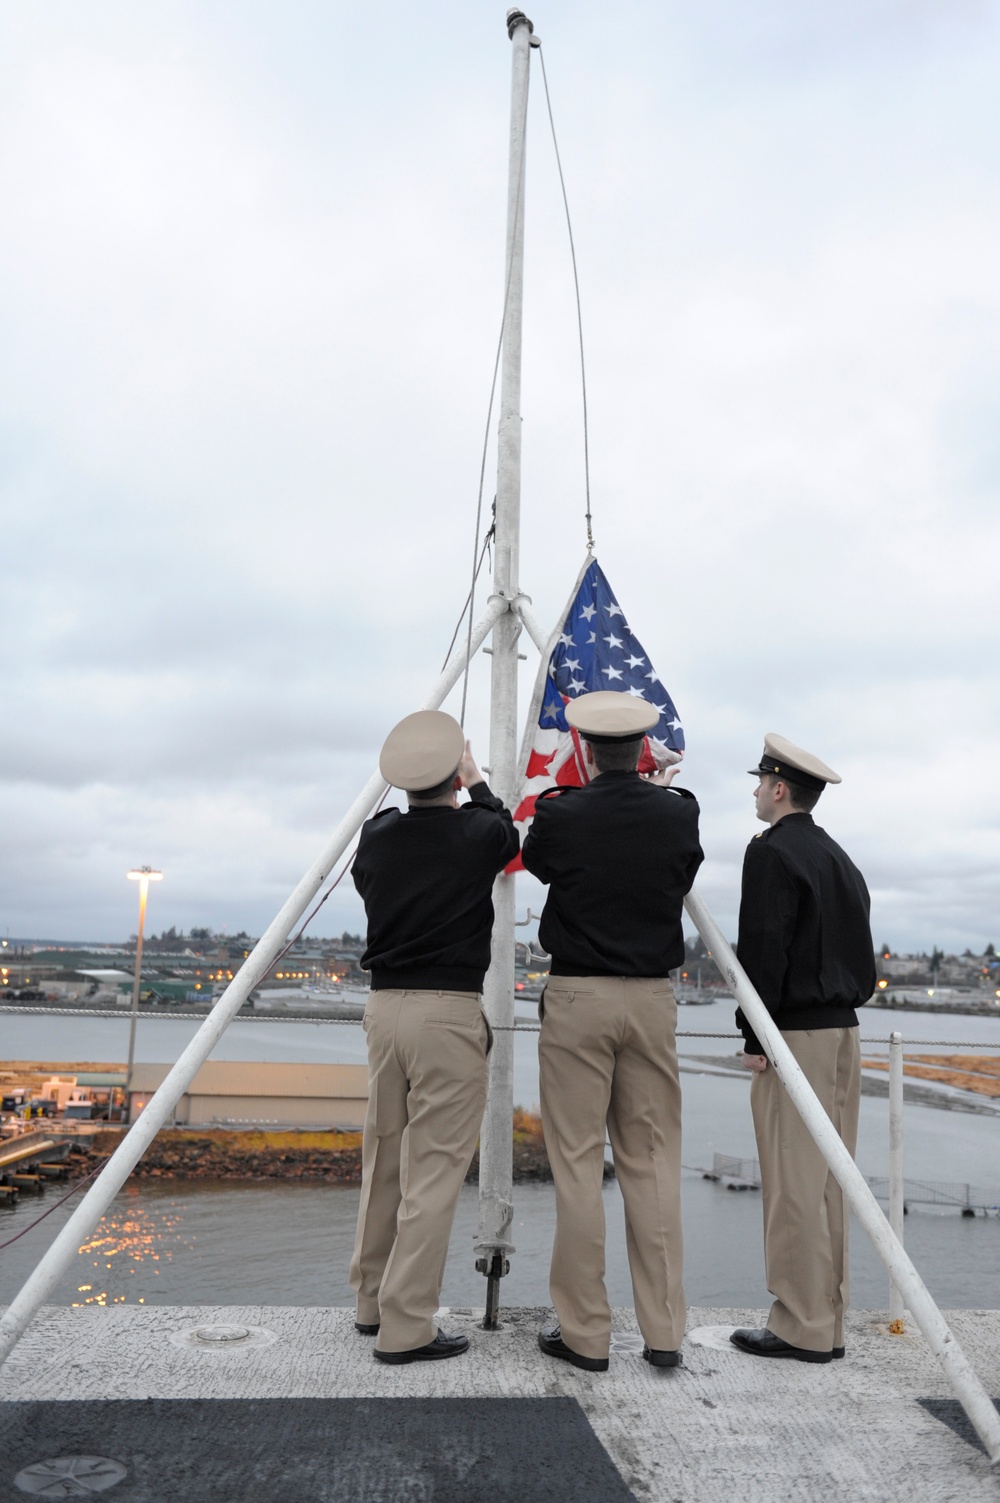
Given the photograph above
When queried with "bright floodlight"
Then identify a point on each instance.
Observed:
(143, 875)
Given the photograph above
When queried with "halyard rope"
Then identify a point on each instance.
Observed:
(579, 314)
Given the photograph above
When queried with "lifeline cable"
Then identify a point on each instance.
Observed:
(321, 1022)
(78, 1186)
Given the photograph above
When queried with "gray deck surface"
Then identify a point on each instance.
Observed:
(878, 1425)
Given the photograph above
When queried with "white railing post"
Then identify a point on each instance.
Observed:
(161, 1108)
(896, 1187)
(940, 1338)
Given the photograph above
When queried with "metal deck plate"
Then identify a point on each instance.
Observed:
(392, 1450)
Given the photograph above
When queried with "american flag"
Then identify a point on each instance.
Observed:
(595, 649)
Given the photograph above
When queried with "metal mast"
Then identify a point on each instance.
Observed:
(495, 1159)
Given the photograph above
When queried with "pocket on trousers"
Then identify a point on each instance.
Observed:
(472, 1026)
(463, 1025)
(569, 994)
(566, 988)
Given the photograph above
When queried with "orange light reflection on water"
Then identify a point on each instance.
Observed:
(127, 1241)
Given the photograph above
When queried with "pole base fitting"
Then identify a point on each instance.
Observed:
(485, 1265)
(495, 1268)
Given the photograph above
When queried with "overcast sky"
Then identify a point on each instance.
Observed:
(251, 276)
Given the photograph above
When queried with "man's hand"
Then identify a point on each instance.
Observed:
(662, 777)
(757, 1063)
(467, 769)
(668, 764)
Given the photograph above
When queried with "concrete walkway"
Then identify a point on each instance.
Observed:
(724, 1427)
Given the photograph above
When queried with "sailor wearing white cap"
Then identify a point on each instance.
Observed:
(426, 877)
(805, 943)
(618, 856)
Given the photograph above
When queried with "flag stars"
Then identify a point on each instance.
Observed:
(636, 693)
(572, 663)
(612, 673)
(653, 677)
(589, 611)
(634, 662)
(613, 641)
(565, 640)
(614, 609)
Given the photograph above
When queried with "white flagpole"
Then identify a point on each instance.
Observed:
(496, 1143)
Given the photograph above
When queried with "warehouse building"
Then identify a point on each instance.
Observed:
(234, 1093)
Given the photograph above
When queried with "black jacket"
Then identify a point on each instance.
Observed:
(426, 878)
(618, 856)
(805, 941)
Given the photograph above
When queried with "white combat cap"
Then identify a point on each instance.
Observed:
(422, 750)
(609, 716)
(786, 760)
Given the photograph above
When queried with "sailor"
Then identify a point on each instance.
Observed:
(805, 943)
(618, 856)
(426, 877)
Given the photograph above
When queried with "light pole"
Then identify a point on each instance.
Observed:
(143, 875)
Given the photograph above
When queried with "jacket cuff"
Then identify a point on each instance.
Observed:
(751, 1043)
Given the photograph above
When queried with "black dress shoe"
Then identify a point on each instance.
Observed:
(364, 1330)
(766, 1344)
(658, 1358)
(442, 1346)
(551, 1342)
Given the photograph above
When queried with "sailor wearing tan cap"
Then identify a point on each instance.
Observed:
(805, 943)
(426, 877)
(618, 856)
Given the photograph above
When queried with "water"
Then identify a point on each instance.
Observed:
(203, 1243)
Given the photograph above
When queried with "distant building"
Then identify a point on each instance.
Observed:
(235, 1093)
(906, 965)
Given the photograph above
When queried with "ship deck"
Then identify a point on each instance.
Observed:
(296, 1407)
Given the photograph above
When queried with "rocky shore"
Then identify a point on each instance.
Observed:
(329, 1158)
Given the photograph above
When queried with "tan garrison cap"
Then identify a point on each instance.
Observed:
(608, 716)
(786, 760)
(422, 750)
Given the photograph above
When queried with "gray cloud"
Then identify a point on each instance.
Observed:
(250, 287)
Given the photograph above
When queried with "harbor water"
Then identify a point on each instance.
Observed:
(282, 1243)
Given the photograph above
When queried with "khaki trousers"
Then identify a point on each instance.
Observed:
(608, 1062)
(805, 1216)
(426, 1093)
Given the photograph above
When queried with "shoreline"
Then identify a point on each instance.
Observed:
(251, 1156)
(914, 1094)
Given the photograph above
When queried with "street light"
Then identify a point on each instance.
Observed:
(143, 875)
